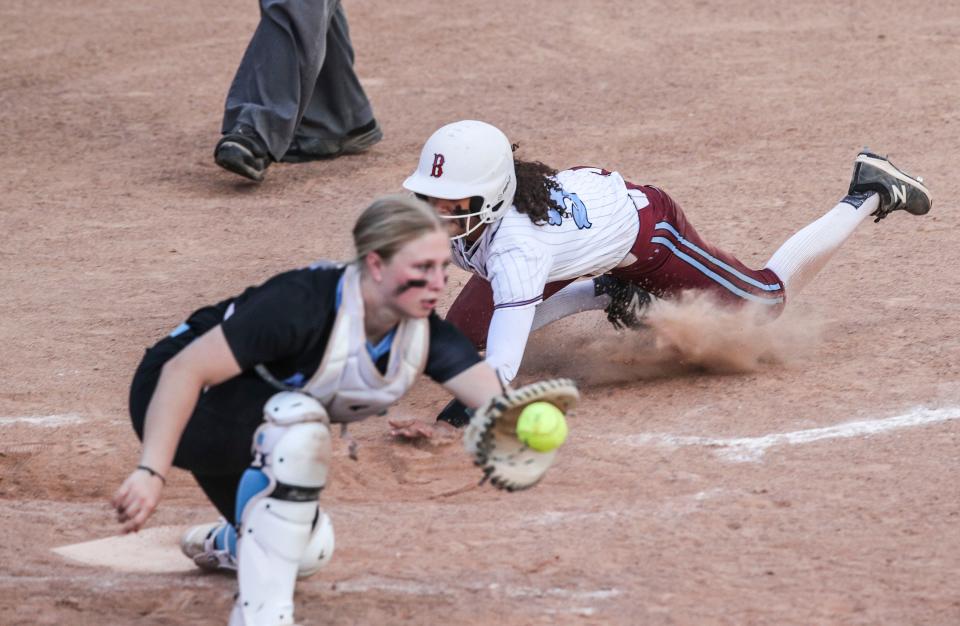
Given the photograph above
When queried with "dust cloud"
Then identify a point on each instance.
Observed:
(693, 333)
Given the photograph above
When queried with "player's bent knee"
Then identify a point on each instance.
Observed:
(300, 459)
(293, 445)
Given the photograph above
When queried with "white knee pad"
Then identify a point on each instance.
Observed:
(292, 447)
(277, 528)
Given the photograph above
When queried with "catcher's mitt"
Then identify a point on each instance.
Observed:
(491, 435)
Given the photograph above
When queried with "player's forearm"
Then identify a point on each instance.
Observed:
(169, 411)
(207, 361)
(474, 386)
(507, 340)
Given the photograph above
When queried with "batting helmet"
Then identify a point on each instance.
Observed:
(468, 159)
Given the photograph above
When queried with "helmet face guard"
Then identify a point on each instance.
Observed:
(467, 159)
(467, 228)
(475, 211)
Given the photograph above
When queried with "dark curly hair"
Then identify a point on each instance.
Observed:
(534, 183)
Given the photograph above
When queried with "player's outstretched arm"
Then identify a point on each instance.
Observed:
(205, 362)
(474, 386)
(470, 388)
(507, 339)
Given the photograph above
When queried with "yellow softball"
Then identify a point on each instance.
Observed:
(542, 426)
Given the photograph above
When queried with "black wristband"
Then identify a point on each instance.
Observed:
(153, 472)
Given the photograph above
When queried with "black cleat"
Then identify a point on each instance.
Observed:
(628, 303)
(898, 191)
(241, 151)
(360, 139)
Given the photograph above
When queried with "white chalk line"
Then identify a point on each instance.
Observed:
(155, 550)
(661, 509)
(359, 585)
(379, 583)
(43, 421)
(752, 449)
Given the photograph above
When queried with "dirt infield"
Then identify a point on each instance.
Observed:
(813, 484)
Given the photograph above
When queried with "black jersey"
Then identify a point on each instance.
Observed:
(286, 322)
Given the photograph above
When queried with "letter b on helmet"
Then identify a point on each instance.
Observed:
(437, 170)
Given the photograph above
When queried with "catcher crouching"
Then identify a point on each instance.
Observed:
(275, 367)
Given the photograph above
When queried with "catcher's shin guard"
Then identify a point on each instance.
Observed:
(280, 525)
(320, 547)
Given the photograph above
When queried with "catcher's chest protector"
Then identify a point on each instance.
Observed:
(347, 382)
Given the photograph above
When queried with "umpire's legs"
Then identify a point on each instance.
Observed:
(291, 42)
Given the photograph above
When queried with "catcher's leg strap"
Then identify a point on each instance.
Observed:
(277, 524)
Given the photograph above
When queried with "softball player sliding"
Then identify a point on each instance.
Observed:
(528, 232)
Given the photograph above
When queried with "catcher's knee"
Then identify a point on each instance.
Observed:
(293, 444)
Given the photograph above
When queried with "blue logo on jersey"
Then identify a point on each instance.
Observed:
(568, 205)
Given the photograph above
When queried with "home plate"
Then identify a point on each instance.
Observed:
(155, 550)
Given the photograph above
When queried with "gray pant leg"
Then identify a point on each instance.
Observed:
(338, 103)
(277, 78)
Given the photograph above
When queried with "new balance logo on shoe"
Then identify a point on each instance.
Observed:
(899, 194)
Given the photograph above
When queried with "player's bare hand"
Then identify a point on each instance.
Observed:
(412, 429)
(137, 499)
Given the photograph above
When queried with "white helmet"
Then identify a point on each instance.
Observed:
(467, 159)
